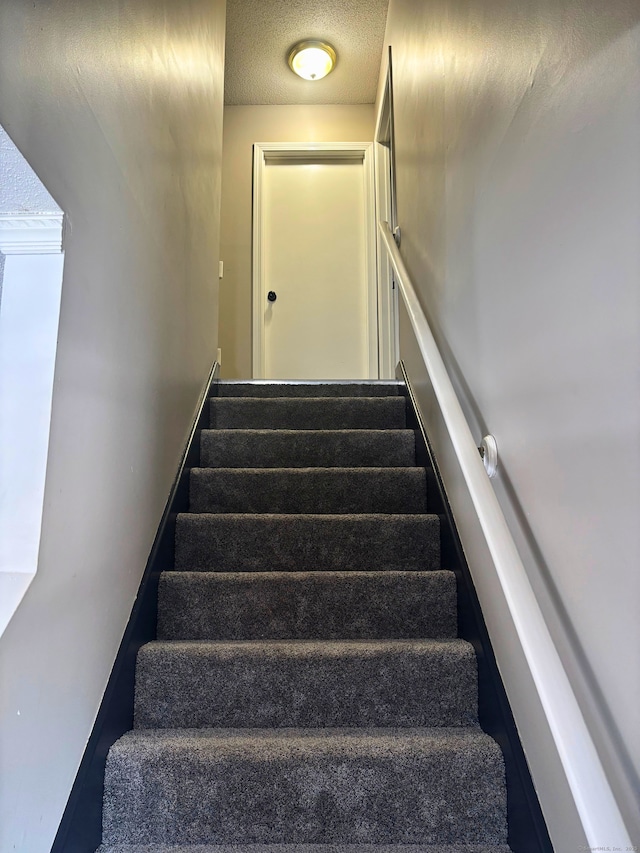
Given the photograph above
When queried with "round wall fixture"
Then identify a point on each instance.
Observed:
(489, 452)
(312, 60)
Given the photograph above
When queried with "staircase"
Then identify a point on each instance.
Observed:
(307, 687)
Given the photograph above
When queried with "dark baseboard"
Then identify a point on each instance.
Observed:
(527, 828)
(80, 830)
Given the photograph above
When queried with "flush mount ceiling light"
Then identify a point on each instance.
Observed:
(312, 60)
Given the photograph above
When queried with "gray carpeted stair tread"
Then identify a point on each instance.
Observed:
(304, 848)
(307, 413)
(291, 785)
(306, 605)
(306, 684)
(307, 693)
(266, 388)
(308, 490)
(237, 542)
(270, 448)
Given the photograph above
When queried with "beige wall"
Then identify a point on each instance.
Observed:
(118, 108)
(518, 159)
(242, 127)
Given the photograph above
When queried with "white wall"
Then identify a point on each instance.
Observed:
(518, 157)
(118, 108)
(244, 125)
(29, 315)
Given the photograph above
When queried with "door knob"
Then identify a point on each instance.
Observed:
(272, 296)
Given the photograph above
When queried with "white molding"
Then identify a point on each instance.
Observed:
(264, 152)
(31, 233)
(601, 819)
(387, 296)
(257, 266)
(388, 332)
(316, 151)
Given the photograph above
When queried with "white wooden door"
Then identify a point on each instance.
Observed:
(314, 261)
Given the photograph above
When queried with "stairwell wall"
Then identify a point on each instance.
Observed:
(518, 170)
(118, 108)
(244, 125)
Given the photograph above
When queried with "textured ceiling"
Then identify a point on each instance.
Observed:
(261, 32)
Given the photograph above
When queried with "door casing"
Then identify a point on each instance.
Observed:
(384, 156)
(264, 152)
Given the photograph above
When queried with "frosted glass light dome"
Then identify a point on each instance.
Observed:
(312, 60)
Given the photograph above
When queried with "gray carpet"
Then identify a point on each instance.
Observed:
(305, 848)
(308, 413)
(267, 388)
(307, 692)
(306, 605)
(207, 542)
(305, 684)
(305, 785)
(306, 448)
(309, 490)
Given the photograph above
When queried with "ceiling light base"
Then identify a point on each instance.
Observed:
(312, 60)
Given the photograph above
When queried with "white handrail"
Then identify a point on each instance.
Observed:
(601, 819)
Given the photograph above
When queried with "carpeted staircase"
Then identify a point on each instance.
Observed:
(307, 692)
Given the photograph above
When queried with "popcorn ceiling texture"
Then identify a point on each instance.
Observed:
(21, 191)
(261, 32)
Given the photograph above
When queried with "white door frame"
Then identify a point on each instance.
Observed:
(264, 152)
(388, 331)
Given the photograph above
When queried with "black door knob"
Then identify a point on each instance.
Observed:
(272, 296)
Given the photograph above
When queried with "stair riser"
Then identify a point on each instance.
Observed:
(244, 685)
(229, 543)
(307, 389)
(307, 448)
(306, 605)
(351, 490)
(305, 795)
(308, 413)
(305, 848)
